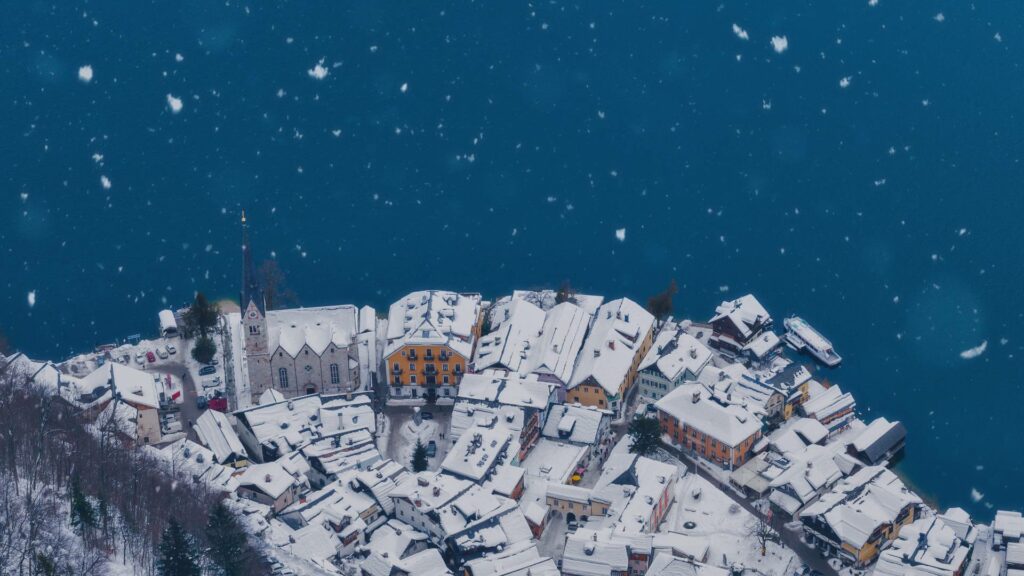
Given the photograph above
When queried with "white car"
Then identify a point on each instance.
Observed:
(140, 358)
(161, 353)
(171, 349)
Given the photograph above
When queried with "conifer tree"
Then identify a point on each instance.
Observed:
(419, 457)
(178, 554)
(228, 547)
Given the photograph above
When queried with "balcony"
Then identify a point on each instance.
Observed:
(412, 355)
(429, 369)
(396, 369)
(443, 356)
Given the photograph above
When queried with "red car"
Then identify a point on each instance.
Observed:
(219, 404)
(150, 357)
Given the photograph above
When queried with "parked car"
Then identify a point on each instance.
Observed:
(140, 358)
(207, 370)
(171, 349)
(219, 404)
(201, 402)
(427, 415)
(214, 362)
(161, 353)
(150, 357)
(573, 525)
(431, 449)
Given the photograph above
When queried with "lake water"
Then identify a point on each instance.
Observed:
(868, 177)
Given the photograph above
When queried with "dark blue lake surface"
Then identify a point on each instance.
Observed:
(867, 178)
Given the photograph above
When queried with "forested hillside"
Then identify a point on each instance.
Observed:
(77, 499)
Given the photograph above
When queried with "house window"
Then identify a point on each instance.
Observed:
(282, 378)
(444, 367)
(254, 329)
(412, 379)
(335, 374)
(426, 333)
(444, 379)
(412, 366)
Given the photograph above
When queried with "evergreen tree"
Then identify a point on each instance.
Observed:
(83, 515)
(204, 350)
(419, 457)
(178, 554)
(201, 317)
(646, 433)
(228, 546)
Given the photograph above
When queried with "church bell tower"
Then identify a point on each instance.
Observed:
(254, 320)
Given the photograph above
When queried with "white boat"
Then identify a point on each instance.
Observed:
(801, 336)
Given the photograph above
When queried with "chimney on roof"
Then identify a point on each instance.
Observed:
(267, 478)
(597, 352)
(693, 353)
(696, 396)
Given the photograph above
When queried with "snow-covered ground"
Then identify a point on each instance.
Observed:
(408, 432)
(728, 527)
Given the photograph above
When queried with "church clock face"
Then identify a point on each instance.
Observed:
(252, 314)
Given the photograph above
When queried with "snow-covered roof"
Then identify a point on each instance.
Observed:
(577, 424)
(199, 462)
(523, 560)
(825, 403)
(586, 554)
(431, 490)
(619, 330)
(635, 486)
(553, 460)
(926, 547)
(509, 343)
(466, 415)
(676, 354)
(478, 451)
(499, 389)
(695, 406)
(318, 327)
(878, 439)
(434, 317)
(134, 386)
(668, 565)
(342, 451)
(423, 563)
(215, 432)
(860, 503)
(548, 299)
(270, 478)
(744, 312)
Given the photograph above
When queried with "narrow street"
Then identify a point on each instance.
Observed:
(187, 410)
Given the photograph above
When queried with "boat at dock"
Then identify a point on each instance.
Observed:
(801, 337)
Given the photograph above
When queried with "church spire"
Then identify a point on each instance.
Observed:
(251, 291)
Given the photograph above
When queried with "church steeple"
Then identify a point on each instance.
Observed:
(251, 292)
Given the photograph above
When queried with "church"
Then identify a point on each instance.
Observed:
(299, 351)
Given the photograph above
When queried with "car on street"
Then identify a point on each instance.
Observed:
(161, 353)
(171, 349)
(572, 525)
(201, 402)
(427, 415)
(207, 370)
(140, 358)
(431, 449)
(150, 357)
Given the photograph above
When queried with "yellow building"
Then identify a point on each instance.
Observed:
(619, 339)
(431, 335)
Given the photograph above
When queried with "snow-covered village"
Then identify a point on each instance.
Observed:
(537, 432)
